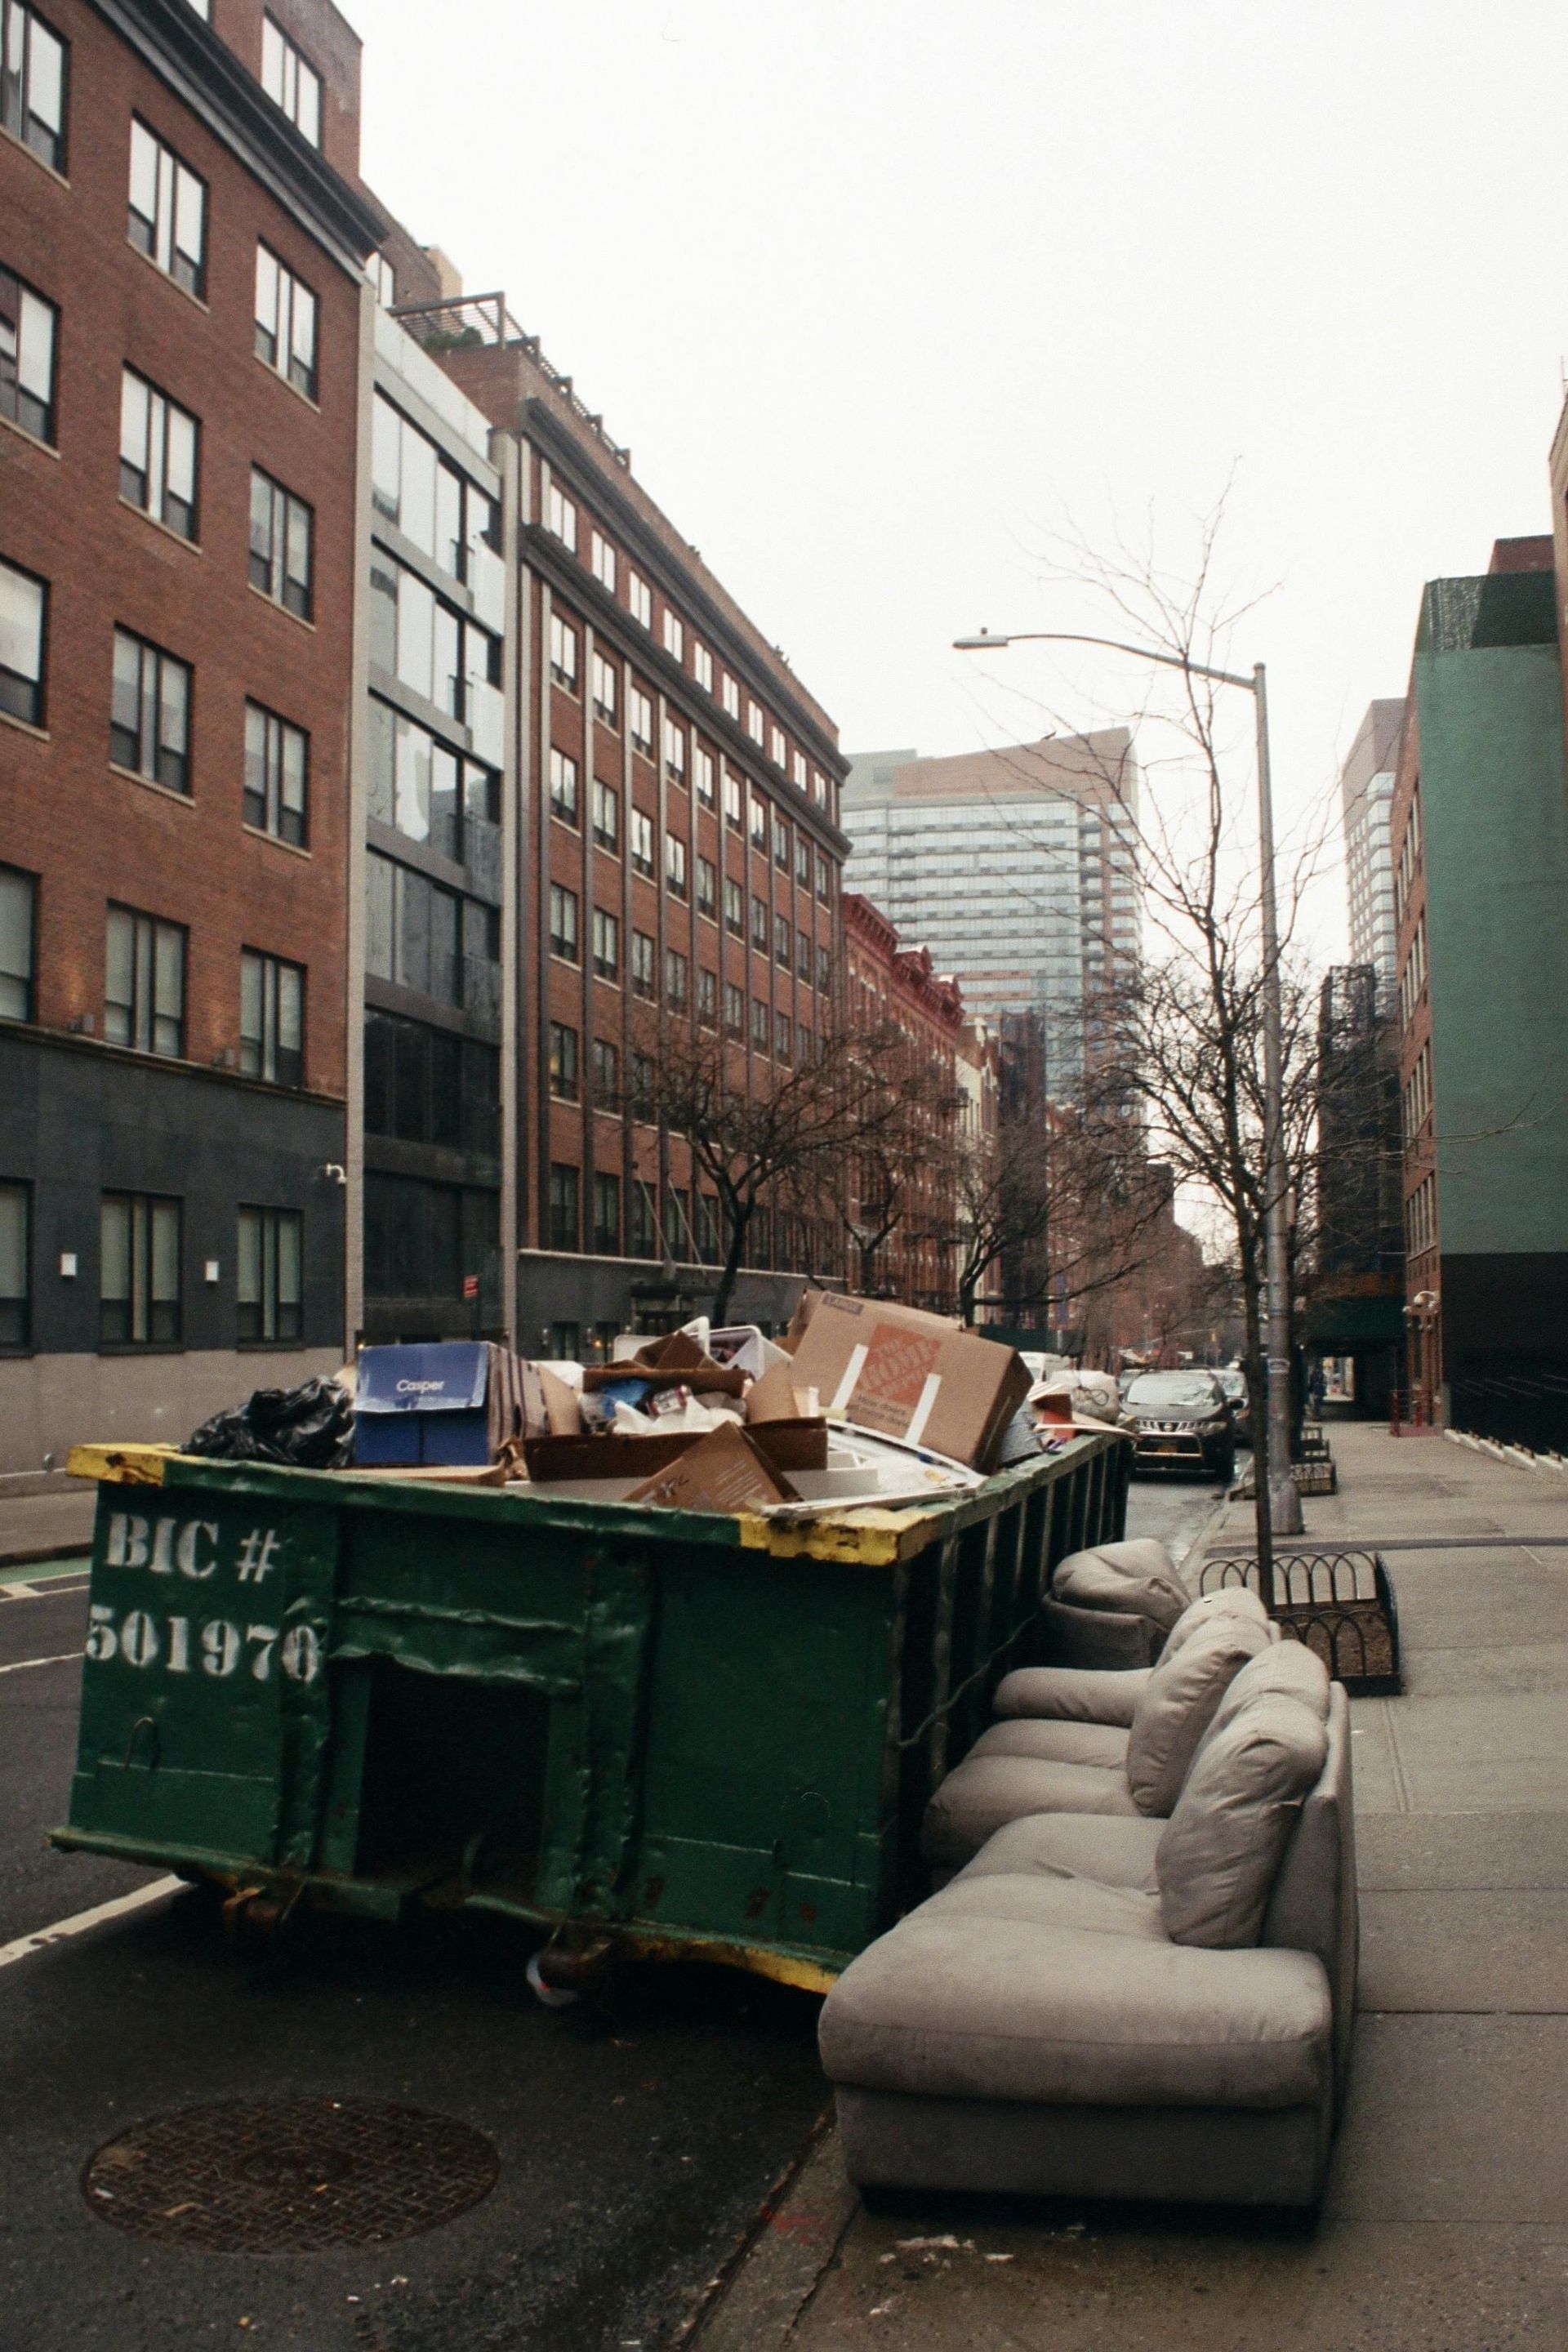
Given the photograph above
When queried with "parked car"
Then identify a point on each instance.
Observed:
(1233, 1380)
(1181, 1420)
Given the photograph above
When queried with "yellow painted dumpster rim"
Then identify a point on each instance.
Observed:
(866, 1537)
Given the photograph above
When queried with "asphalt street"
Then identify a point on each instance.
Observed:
(638, 2138)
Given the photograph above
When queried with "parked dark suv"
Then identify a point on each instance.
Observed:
(1180, 1420)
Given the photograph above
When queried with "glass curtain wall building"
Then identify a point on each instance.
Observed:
(1017, 868)
(1366, 789)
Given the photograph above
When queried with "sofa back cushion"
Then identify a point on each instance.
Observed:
(1178, 1704)
(1230, 1601)
(1135, 1577)
(1288, 1668)
(1219, 1857)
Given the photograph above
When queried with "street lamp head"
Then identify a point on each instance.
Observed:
(982, 644)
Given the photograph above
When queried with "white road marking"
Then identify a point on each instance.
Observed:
(20, 1666)
(44, 1587)
(137, 1900)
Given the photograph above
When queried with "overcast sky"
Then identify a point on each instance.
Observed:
(875, 289)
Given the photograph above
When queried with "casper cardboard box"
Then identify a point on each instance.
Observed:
(722, 1472)
(909, 1375)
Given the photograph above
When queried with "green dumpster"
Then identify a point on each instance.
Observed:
(661, 1733)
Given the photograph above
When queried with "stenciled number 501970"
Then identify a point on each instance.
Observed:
(214, 1645)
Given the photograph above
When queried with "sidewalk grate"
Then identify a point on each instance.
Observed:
(288, 2176)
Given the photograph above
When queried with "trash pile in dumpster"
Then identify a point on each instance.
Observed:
(863, 1401)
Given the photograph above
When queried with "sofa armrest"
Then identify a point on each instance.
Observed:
(1072, 1693)
(1098, 1637)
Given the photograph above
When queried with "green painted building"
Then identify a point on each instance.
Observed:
(1480, 844)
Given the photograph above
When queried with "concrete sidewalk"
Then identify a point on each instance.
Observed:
(44, 1516)
(1445, 2226)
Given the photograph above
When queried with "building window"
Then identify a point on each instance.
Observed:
(708, 1228)
(18, 935)
(707, 996)
(604, 559)
(758, 811)
(158, 446)
(564, 1220)
(824, 968)
(730, 693)
(674, 637)
(560, 517)
(449, 517)
(562, 653)
(563, 923)
(822, 877)
(383, 277)
(607, 1215)
(732, 798)
(144, 983)
(430, 792)
(150, 713)
(271, 1019)
(675, 974)
(702, 764)
(139, 1271)
(754, 723)
(412, 930)
(777, 747)
(451, 662)
(281, 530)
(783, 1032)
(607, 944)
(607, 1074)
(643, 1240)
(33, 82)
(674, 866)
(802, 1042)
(677, 1240)
(562, 1062)
(426, 1085)
(781, 844)
(702, 666)
(802, 861)
(29, 332)
(802, 956)
(562, 786)
(606, 815)
(734, 908)
(290, 81)
(269, 1266)
(798, 770)
(276, 774)
(23, 605)
(640, 597)
(16, 1265)
(707, 886)
(642, 843)
(759, 924)
(759, 1025)
(735, 1010)
(780, 940)
(642, 721)
(168, 211)
(675, 754)
(644, 967)
(285, 322)
(605, 699)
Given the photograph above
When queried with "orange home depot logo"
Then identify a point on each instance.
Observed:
(893, 1378)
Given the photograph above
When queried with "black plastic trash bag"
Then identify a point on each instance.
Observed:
(310, 1428)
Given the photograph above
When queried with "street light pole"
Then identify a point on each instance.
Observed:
(1279, 1510)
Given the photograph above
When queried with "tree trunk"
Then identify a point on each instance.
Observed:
(1258, 1416)
(740, 1219)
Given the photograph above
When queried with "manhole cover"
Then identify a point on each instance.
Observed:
(289, 2176)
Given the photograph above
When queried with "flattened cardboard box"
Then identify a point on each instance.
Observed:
(909, 1375)
(722, 1472)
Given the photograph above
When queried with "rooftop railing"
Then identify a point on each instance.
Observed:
(475, 321)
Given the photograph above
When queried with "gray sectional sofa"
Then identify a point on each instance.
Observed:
(1139, 1978)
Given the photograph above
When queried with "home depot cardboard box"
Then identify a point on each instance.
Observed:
(909, 1375)
(725, 1471)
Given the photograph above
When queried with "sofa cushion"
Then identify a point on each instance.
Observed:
(1117, 1849)
(960, 2007)
(1178, 1704)
(1135, 1579)
(1071, 1693)
(1287, 1668)
(1112, 1640)
(1051, 1898)
(1056, 1743)
(986, 1791)
(1220, 1854)
(1229, 1601)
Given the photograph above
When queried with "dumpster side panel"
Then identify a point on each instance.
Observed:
(205, 1701)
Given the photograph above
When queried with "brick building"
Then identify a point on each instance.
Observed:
(676, 844)
(894, 992)
(183, 320)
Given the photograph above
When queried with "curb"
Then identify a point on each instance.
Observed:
(762, 2291)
